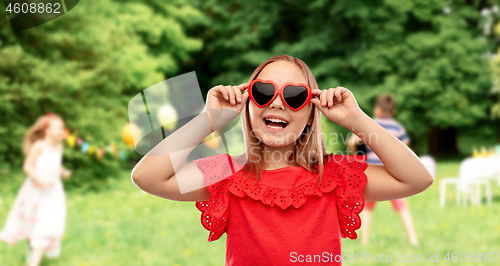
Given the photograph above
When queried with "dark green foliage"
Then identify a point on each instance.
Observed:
(431, 61)
(86, 66)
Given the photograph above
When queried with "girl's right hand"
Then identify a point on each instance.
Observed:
(43, 183)
(226, 99)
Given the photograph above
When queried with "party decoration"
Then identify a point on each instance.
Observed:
(491, 151)
(167, 117)
(108, 149)
(113, 149)
(85, 147)
(123, 156)
(211, 141)
(99, 153)
(66, 133)
(91, 149)
(483, 152)
(128, 131)
(71, 139)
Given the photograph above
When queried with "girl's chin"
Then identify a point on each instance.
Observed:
(275, 142)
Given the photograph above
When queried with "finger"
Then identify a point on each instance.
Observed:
(323, 97)
(245, 96)
(317, 103)
(338, 93)
(237, 93)
(243, 86)
(316, 92)
(329, 96)
(345, 93)
(219, 90)
(230, 92)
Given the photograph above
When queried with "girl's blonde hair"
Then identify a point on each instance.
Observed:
(37, 130)
(311, 142)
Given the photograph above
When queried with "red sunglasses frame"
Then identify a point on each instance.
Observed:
(280, 91)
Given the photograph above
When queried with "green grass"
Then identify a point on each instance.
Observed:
(125, 226)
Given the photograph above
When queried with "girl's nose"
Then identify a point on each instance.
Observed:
(277, 103)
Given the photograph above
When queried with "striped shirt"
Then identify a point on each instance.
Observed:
(395, 129)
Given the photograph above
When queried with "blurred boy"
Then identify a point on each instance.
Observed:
(385, 108)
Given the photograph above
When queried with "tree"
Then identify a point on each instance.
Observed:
(430, 59)
(86, 66)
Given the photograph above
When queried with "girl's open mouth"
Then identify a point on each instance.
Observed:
(275, 123)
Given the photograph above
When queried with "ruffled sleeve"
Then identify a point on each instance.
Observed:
(349, 172)
(217, 169)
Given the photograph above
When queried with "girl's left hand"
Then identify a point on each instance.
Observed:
(337, 104)
(65, 173)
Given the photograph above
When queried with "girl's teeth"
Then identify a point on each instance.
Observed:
(275, 120)
(275, 127)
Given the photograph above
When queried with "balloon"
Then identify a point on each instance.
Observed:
(167, 117)
(79, 141)
(71, 140)
(212, 143)
(91, 149)
(128, 131)
(85, 147)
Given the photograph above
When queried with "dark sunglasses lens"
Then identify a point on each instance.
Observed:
(295, 96)
(262, 92)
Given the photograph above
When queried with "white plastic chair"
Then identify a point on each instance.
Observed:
(429, 163)
(472, 175)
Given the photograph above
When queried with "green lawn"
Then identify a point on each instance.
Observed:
(125, 226)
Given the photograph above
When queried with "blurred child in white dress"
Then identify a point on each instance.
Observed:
(39, 211)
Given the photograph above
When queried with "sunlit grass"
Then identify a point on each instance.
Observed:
(440, 230)
(125, 226)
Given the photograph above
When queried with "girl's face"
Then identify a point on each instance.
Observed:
(55, 129)
(270, 132)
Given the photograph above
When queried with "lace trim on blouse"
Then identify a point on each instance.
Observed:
(342, 173)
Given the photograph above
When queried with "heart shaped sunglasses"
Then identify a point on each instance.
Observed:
(294, 95)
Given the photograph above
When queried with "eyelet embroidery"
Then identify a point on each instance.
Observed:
(342, 173)
(349, 195)
(215, 211)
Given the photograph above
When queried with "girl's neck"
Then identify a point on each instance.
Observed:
(276, 157)
(53, 143)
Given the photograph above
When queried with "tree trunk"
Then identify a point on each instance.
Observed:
(443, 141)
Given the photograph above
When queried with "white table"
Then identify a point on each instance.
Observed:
(473, 173)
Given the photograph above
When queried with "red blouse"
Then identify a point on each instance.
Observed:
(287, 217)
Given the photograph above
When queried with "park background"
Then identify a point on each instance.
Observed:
(437, 57)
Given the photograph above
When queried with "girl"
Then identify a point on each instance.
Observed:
(295, 207)
(39, 211)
